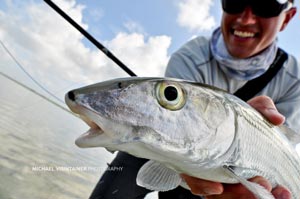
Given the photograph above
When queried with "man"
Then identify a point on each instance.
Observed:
(240, 50)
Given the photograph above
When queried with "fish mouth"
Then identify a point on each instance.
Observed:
(95, 130)
(95, 136)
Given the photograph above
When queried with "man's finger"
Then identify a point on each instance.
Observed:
(281, 193)
(267, 108)
(202, 187)
(263, 182)
(238, 191)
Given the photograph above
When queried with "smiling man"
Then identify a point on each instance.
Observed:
(249, 29)
(241, 53)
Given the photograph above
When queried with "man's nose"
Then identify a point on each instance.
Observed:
(247, 17)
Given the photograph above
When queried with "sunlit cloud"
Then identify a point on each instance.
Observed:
(195, 15)
(145, 57)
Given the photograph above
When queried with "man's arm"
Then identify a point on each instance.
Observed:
(215, 190)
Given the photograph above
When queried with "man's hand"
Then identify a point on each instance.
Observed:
(215, 190)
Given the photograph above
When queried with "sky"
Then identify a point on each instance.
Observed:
(142, 34)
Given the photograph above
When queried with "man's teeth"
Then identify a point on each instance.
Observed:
(243, 34)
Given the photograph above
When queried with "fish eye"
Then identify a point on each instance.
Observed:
(170, 95)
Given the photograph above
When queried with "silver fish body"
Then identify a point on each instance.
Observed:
(187, 127)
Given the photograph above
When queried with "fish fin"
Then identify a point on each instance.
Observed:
(110, 150)
(259, 191)
(291, 135)
(155, 176)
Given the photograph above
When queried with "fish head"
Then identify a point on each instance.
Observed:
(150, 116)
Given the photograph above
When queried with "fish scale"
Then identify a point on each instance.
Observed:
(253, 144)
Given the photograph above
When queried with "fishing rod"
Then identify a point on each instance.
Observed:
(90, 38)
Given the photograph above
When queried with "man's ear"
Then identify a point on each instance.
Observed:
(288, 16)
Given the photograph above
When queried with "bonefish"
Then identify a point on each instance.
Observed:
(186, 127)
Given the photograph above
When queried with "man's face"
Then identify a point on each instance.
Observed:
(246, 34)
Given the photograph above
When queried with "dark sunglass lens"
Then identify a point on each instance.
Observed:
(267, 8)
(233, 6)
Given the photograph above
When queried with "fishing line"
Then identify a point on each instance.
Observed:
(37, 93)
(31, 77)
(91, 38)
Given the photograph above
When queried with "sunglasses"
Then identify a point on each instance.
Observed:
(260, 8)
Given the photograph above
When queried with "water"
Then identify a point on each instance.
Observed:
(38, 158)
